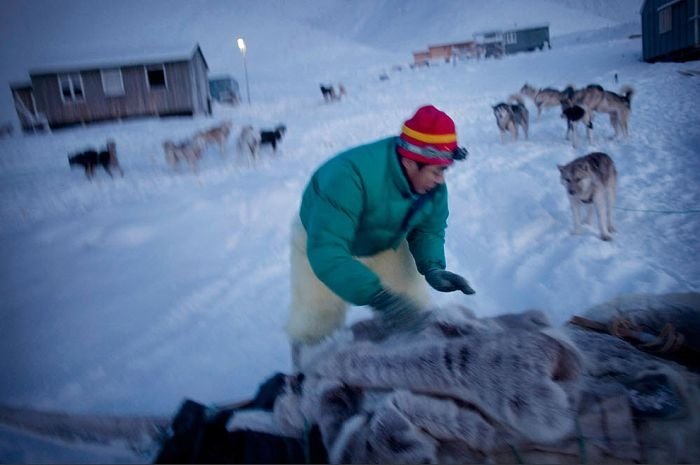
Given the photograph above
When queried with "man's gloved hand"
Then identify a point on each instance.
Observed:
(446, 281)
(399, 313)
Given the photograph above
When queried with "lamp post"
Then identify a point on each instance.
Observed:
(242, 48)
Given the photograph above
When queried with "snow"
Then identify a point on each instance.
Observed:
(128, 295)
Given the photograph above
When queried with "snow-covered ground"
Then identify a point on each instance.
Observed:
(127, 295)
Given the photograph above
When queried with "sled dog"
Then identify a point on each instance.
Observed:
(511, 115)
(272, 137)
(329, 93)
(591, 181)
(595, 98)
(216, 135)
(618, 107)
(248, 143)
(575, 114)
(588, 97)
(189, 151)
(89, 159)
(543, 98)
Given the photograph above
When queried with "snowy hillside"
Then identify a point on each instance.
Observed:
(127, 295)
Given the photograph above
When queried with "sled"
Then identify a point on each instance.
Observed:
(623, 402)
(137, 436)
(197, 433)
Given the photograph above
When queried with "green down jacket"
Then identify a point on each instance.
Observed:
(358, 204)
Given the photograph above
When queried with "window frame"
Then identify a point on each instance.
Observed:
(159, 67)
(116, 92)
(510, 37)
(70, 79)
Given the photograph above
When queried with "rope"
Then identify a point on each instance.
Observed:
(668, 341)
(623, 327)
(658, 211)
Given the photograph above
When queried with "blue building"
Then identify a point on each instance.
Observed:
(670, 30)
(224, 89)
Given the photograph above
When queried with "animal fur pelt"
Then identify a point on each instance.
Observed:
(500, 389)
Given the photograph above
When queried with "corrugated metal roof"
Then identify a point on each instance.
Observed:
(114, 57)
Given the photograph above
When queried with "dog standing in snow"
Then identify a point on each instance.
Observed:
(89, 159)
(248, 143)
(591, 181)
(511, 115)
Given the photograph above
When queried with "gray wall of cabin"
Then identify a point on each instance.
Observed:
(529, 40)
(200, 89)
(185, 93)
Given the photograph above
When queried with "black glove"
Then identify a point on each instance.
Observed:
(398, 313)
(446, 281)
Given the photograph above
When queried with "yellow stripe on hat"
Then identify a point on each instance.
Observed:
(429, 138)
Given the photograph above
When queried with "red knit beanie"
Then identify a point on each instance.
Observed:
(428, 137)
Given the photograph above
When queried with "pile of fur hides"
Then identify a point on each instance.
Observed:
(504, 389)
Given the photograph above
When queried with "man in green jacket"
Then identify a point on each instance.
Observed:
(372, 221)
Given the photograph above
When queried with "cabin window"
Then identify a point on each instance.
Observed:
(665, 20)
(71, 86)
(155, 75)
(112, 82)
(511, 38)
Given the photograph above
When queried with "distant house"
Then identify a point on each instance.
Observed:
(224, 89)
(421, 58)
(499, 42)
(445, 52)
(491, 43)
(670, 30)
(451, 50)
(88, 90)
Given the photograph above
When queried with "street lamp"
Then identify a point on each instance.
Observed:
(242, 48)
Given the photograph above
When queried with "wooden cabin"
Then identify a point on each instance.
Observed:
(450, 51)
(446, 52)
(670, 30)
(421, 58)
(165, 83)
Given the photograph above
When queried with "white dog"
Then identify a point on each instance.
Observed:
(189, 151)
(249, 143)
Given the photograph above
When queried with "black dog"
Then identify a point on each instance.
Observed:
(89, 159)
(574, 114)
(272, 137)
(328, 93)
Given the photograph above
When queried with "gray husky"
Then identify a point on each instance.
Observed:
(594, 98)
(511, 115)
(591, 181)
(543, 98)
(588, 97)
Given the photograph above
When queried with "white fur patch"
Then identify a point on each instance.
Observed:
(254, 420)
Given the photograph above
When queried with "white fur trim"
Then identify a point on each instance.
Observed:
(350, 427)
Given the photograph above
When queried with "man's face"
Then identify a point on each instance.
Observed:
(423, 179)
